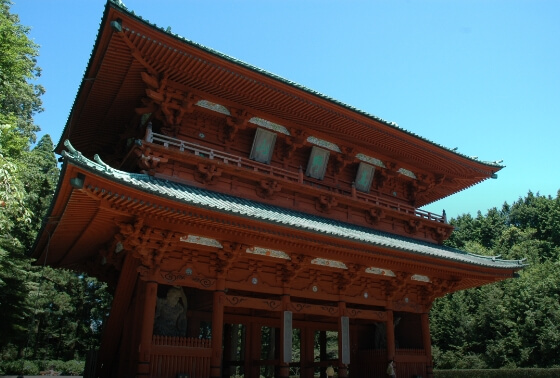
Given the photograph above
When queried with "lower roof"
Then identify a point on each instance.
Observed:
(275, 215)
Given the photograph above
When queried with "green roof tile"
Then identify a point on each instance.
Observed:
(229, 204)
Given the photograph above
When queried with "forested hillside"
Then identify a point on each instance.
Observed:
(45, 314)
(514, 323)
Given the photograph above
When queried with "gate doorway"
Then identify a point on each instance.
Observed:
(252, 348)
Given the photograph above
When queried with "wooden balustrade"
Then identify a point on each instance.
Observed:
(227, 158)
(171, 356)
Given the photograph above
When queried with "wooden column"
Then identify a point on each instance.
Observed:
(112, 332)
(253, 352)
(147, 329)
(217, 329)
(390, 336)
(307, 357)
(285, 344)
(343, 347)
(427, 342)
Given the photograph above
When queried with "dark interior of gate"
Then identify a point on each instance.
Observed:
(252, 339)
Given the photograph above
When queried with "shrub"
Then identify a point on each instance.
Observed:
(17, 367)
(74, 367)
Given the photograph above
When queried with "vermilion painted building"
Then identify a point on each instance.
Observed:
(248, 224)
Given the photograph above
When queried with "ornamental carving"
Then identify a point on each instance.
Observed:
(234, 301)
(172, 276)
(374, 215)
(206, 173)
(297, 139)
(267, 188)
(148, 161)
(204, 281)
(172, 103)
(442, 286)
(325, 203)
(439, 234)
(340, 161)
(412, 225)
(348, 277)
(237, 121)
(286, 272)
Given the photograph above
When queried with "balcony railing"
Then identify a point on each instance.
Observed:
(296, 177)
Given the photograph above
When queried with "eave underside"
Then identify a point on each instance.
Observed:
(87, 225)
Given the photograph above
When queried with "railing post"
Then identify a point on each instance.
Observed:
(149, 137)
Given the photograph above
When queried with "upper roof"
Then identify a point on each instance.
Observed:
(127, 45)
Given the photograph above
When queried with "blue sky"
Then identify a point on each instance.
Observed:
(482, 76)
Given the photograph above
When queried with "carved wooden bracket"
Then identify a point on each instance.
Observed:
(223, 259)
(441, 286)
(173, 103)
(412, 191)
(348, 276)
(439, 234)
(207, 172)
(425, 182)
(237, 121)
(297, 139)
(267, 188)
(374, 215)
(286, 272)
(154, 247)
(397, 288)
(325, 203)
(147, 161)
(386, 176)
(412, 225)
(340, 161)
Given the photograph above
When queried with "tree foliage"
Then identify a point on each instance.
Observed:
(44, 313)
(516, 322)
(20, 99)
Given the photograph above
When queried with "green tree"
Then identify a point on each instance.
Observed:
(14, 266)
(58, 314)
(512, 323)
(20, 99)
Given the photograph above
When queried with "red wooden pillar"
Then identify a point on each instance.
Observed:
(343, 346)
(426, 340)
(107, 362)
(307, 345)
(286, 330)
(147, 329)
(217, 329)
(253, 351)
(390, 336)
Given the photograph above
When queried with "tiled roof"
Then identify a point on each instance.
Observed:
(122, 7)
(245, 208)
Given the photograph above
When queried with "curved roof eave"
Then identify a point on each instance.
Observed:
(229, 204)
(119, 6)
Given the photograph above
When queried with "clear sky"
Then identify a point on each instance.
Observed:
(479, 75)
